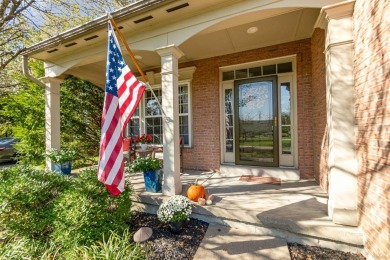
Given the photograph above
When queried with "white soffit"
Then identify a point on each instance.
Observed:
(274, 27)
(99, 36)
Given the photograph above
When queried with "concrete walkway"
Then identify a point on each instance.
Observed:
(222, 242)
(295, 211)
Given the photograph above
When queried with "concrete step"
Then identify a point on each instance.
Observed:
(238, 170)
(342, 238)
(223, 242)
(296, 211)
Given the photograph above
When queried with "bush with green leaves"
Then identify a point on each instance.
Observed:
(87, 211)
(27, 201)
(61, 155)
(114, 247)
(145, 164)
(49, 210)
(22, 115)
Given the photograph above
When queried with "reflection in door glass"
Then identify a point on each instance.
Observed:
(286, 117)
(229, 120)
(256, 122)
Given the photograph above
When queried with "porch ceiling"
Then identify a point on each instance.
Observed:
(276, 25)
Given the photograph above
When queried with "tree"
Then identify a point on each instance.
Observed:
(81, 112)
(22, 114)
(23, 22)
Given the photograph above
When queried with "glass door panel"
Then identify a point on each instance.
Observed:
(228, 123)
(285, 117)
(286, 156)
(228, 120)
(256, 136)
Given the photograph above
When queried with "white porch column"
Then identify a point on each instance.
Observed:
(342, 163)
(169, 84)
(52, 116)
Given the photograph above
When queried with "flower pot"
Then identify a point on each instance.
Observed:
(64, 168)
(153, 180)
(176, 227)
(144, 146)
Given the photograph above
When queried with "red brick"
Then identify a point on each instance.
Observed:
(372, 120)
(206, 106)
(320, 135)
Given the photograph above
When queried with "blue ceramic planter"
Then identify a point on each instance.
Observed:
(64, 168)
(153, 180)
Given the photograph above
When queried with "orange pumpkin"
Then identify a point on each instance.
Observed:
(195, 192)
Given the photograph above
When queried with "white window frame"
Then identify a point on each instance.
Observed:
(142, 112)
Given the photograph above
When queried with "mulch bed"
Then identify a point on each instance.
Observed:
(300, 252)
(163, 244)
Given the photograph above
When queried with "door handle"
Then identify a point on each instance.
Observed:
(275, 121)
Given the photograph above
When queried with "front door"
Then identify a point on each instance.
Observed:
(256, 121)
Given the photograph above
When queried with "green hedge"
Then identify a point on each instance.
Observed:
(59, 211)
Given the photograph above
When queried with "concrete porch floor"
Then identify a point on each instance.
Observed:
(295, 210)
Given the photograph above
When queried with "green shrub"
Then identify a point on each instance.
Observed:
(23, 248)
(26, 204)
(61, 155)
(115, 247)
(57, 213)
(87, 211)
(145, 164)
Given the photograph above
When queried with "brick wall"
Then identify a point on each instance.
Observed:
(320, 140)
(205, 153)
(372, 119)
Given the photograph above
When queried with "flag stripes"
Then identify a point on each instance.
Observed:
(122, 95)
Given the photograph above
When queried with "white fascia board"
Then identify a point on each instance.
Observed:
(94, 25)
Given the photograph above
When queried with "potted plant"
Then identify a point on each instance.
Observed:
(62, 159)
(175, 211)
(144, 140)
(151, 167)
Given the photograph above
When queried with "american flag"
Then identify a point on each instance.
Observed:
(122, 94)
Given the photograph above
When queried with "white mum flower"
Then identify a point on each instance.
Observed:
(176, 208)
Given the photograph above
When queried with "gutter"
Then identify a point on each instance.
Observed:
(26, 72)
(96, 24)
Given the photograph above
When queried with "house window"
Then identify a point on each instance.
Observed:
(153, 124)
(133, 126)
(184, 113)
(153, 118)
(257, 71)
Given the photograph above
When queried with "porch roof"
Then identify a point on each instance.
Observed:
(201, 29)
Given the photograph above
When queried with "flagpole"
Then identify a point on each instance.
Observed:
(145, 79)
(127, 48)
